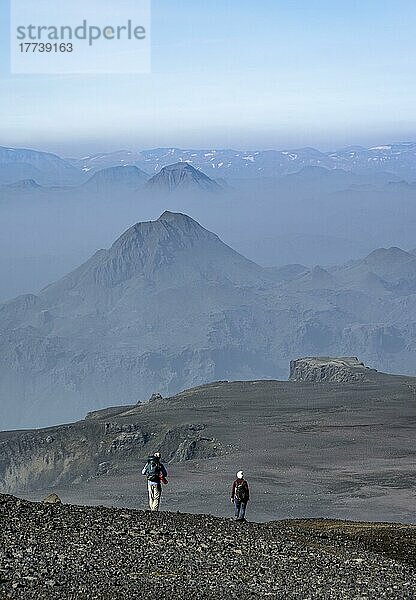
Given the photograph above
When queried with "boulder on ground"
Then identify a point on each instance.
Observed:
(52, 499)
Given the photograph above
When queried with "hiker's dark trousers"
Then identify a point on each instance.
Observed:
(239, 508)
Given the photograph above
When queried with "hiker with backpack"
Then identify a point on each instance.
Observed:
(240, 495)
(156, 475)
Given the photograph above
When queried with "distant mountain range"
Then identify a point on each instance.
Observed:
(397, 159)
(51, 173)
(45, 168)
(170, 306)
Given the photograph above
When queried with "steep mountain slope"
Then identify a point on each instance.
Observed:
(165, 307)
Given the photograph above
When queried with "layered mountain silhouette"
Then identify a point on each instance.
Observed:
(169, 306)
(391, 161)
(120, 177)
(44, 167)
(182, 176)
(377, 164)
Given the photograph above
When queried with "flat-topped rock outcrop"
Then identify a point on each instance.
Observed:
(330, 369)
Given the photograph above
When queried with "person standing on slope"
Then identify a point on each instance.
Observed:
(240, 495)
(156, 474)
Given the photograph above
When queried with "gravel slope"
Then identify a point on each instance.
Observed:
(63, 551)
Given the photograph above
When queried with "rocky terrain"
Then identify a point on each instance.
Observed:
(336, 449)
(58, 551)
(330, 369)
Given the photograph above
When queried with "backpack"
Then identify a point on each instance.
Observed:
(153, 469)
(241, 491)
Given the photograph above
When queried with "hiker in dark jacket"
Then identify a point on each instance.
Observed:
(240, 495)
(156, 475)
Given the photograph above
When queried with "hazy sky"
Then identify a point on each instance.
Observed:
(275, 73)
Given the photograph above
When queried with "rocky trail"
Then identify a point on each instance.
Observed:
(76, 552)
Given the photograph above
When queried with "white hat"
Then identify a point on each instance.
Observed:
(240, 475)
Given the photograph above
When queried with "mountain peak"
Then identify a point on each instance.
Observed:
(163, 227)
(168, 215)
(182, 176)
(388, 257)
(172, 251)
(179, 220)
(182, 165)
(124, 175)
(172, 248)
